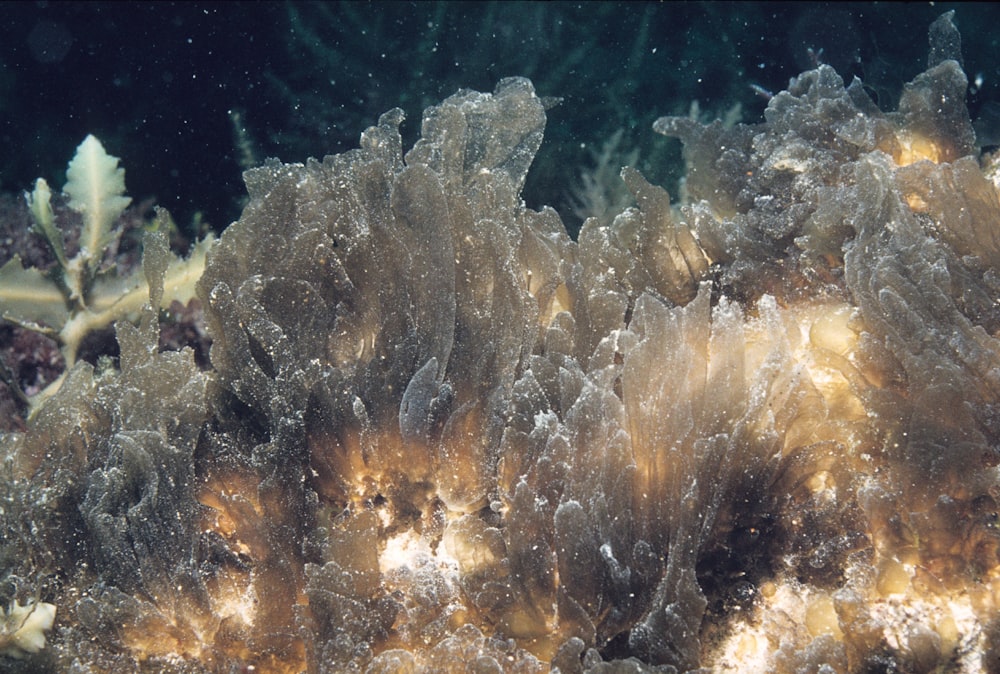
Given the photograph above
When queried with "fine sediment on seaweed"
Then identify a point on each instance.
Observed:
(757, 432)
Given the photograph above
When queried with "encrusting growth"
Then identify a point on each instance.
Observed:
(23, 628)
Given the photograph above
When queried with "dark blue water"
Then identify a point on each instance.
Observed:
(164, 85)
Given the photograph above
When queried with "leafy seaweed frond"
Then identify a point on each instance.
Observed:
(77, 297)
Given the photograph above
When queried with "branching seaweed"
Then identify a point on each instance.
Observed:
(78, 296)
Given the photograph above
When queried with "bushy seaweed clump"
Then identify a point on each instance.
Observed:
(757, 432)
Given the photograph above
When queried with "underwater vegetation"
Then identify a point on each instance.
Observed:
(757, 431)
(79, 297)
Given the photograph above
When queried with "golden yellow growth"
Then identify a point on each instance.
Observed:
(911, 147)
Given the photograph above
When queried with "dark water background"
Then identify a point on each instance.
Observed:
(162, 83)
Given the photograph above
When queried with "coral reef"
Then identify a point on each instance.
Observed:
(754, 433)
